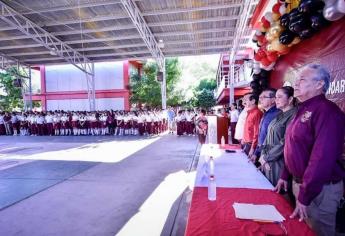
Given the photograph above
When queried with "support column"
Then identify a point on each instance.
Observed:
(231, 85)
(43, 88)
(163, 89)
(30, 90)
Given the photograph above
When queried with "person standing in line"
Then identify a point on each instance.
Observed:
(234, 114)
(239, 130)
(251, 125)
(313, 152)
(171, 119)
(272, 156)
(201, 125)
(8, 124)
(267, 102)
(15, 123)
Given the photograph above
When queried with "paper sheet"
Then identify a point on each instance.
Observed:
(257, 212)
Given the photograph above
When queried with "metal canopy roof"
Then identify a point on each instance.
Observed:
(102, 30)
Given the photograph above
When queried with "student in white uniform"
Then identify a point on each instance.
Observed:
(75, 123)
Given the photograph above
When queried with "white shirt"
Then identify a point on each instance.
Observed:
(234, 115)
(240, 125)
(40, 120)
(1, 119)
(14, 119)
(33, 119)
(56, 118)
(148, 118)
(75, 118)
(64, 118)
(49, 119)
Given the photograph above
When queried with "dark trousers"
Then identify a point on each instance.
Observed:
(246, 147)
(202, 138)
(232, 129)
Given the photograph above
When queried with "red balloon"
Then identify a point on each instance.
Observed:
(276, 7)
(265, 62)
(265, 22)
(261, 53)
(260, 38)
(272, 56)
(257, 57)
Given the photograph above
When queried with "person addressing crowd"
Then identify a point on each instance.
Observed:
(313, 150)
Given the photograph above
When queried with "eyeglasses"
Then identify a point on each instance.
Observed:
(262, 97)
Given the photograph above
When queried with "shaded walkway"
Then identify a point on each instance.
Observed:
(104, 197)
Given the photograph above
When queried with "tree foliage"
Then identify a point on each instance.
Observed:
(204, 93)
(11, 97)
(145, 89)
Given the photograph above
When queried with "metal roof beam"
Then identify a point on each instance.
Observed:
(124, 16)
(144, 31)
(218, 39)
(44, 38)
(70, 7)
(165, 34)
(7, 61)
(129, 26)
(173, 50)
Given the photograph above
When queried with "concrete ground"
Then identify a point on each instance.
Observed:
(95, 185)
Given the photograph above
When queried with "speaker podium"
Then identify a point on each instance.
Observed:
(217, 128)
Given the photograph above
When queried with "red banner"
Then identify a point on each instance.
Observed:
(326, 48)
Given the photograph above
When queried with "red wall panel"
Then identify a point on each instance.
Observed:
(326, 48)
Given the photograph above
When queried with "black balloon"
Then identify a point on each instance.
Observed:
(306, 33)
(285, 20)
(318, 21)
(310, 6)
(299, 24)
(286, 37)
(293, 13)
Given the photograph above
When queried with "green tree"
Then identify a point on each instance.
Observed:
(204, 94)
(146, 89)
(11, 96)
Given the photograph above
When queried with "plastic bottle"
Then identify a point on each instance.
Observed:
(222, 141)
(212, 188)
(211, 166)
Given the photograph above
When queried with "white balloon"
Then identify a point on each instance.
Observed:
(332, 14)
(282, 9)
(341, 6)
(269, 16)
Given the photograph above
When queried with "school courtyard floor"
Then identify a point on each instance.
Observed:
(96, 185)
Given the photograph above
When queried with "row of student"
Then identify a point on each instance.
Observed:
(300, 143)
(83, 123)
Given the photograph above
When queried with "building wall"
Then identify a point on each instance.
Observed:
(108, 75)
(64, 87)
(83, 104)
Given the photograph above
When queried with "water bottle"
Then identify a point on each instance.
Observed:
(212, 188)
(211, 166)
(222, 141)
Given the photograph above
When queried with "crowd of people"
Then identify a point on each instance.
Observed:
(63, 123)
(298, 147)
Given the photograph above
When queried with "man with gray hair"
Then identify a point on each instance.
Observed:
(313, 149)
